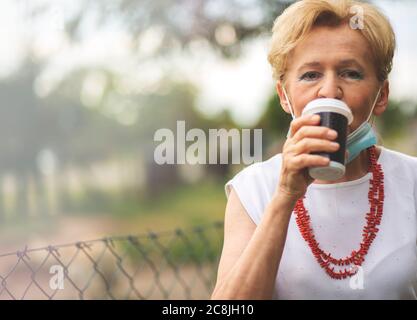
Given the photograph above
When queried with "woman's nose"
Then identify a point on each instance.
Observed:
(330, 88)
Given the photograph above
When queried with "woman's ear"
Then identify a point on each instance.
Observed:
(281, 95)
(382, 102)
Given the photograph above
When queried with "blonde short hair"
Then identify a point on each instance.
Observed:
(298, 19)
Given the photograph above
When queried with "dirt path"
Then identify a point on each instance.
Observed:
(159, 282)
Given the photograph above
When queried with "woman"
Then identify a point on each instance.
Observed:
(288, 236)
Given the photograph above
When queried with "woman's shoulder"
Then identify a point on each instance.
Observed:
(396, 158)
(263, 170)
(255, 184)
(401, 167)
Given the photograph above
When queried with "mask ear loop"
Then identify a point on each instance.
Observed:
(288, 102)
(373, 106)
(290, 107)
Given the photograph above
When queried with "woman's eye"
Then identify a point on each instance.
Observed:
(352, 74)
(310, 76)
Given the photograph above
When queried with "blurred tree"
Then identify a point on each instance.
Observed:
(222, 120)
(83, 134)
(58, 123)
(22, 127)
(394, 121)
(223, 23)
(159, 111)
(164, 111)
(274, 122)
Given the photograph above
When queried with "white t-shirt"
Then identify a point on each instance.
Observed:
(337, 213)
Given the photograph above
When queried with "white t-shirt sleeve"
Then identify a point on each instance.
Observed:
(414, 170)
(251, 188)
(410, 171)
(415, 192)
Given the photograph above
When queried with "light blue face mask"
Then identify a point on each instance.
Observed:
(360, 139)
(363, 137)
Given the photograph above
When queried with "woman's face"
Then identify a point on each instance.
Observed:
(334, 62)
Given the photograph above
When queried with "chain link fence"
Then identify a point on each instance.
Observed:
(179, 264)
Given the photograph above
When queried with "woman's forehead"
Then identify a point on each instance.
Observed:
(340, 61)
(332, 45)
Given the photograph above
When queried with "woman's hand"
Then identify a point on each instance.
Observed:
(306, 137)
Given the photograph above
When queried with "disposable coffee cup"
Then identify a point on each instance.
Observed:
(336, 115)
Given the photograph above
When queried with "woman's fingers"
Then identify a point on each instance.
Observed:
(314, 132)
(308, 145)
(305, 120)
(306, 137)
(302, 161)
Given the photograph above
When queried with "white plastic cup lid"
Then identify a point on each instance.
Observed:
(334, 171)
(328, 105)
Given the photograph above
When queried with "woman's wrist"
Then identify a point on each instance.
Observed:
(283, 196)
(283, 202)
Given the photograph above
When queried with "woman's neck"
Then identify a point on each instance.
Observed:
(355, 169)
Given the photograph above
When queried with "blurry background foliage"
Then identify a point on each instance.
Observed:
(77, 138)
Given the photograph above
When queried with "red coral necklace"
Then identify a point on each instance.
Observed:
(373, 218)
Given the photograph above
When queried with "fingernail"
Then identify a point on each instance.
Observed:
(316, 117)
(334, 144)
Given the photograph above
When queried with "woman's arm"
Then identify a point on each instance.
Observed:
(251, 255)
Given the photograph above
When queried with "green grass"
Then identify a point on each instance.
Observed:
(186, 205)
(178, 247)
